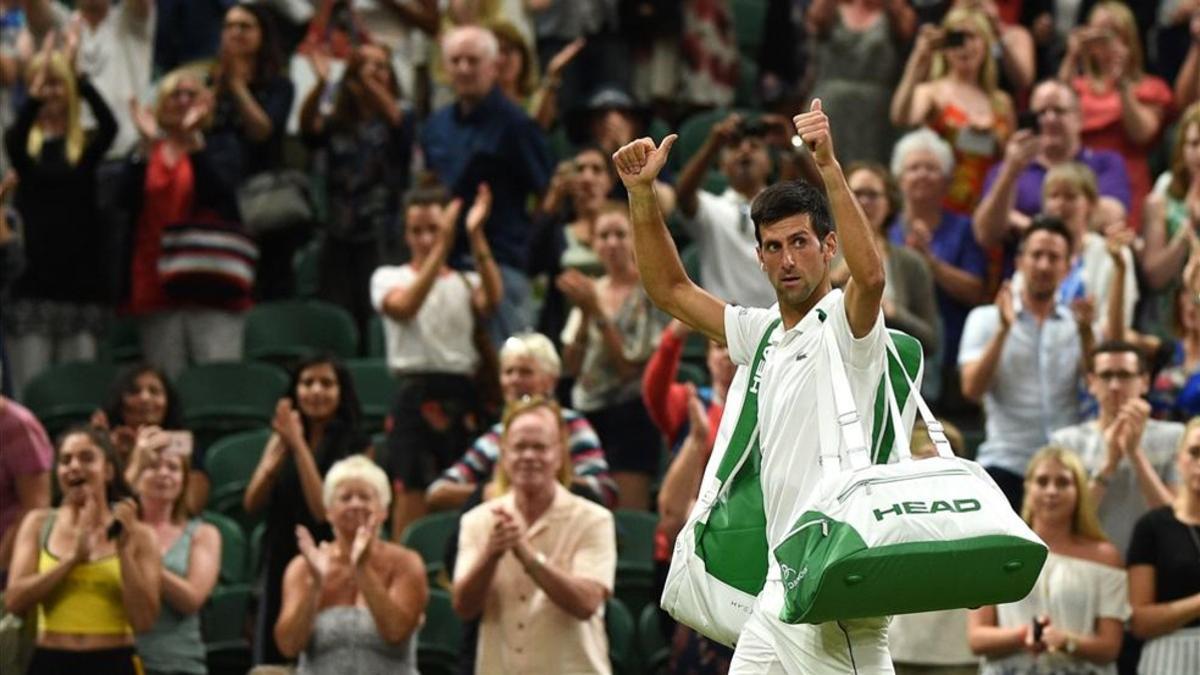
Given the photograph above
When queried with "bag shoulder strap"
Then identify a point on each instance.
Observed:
(847, 418)
(747, 422)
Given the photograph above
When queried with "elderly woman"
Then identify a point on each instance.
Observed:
(922, 163)
(191, 557)
(352, 604)
(89, 567)
(537, 558)
(529, 366)
(1164, 588)
(1071, 622)
(951, 84)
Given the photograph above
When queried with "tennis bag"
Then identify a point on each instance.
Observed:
(719, 563)
(911, 536)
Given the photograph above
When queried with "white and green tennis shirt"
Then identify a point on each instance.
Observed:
(796, 394)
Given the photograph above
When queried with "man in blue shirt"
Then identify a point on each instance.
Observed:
(485, 138)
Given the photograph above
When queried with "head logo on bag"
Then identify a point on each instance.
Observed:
(938, 506)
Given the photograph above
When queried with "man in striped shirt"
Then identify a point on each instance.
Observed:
(529, 366)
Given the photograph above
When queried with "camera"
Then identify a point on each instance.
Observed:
(954, 38)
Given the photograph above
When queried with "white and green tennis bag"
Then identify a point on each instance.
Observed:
(939, 524)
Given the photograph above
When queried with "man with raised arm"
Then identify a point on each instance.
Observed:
(794, 227)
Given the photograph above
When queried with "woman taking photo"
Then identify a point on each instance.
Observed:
(610, 335)
(1071, 622)
(191, 557)
(1164, 583)
(316, 425)
(352, 604)
(951, 84)
(89, 567)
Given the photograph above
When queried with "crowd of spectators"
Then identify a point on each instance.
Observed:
(1030, 169)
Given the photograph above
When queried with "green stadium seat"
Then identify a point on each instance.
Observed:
(233, 548)
(622, 637)
(68, 393)
(230, 464)
(123, 343)
(376, 391)
(305, 266)
(376, 343)
(288, 331)
(428, 536)
(635, 557)
(655, 651)
(749, 21)
(223, 623)
(439, 643)
(222, 398)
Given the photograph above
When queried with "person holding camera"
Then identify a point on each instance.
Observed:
(1070, 623)
(720, 224)
(1123, 108)
(89, 567)
(951, 84)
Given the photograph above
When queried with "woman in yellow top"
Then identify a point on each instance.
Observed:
(89, 567)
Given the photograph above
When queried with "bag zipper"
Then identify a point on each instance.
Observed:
(823, 522)
(845, 494)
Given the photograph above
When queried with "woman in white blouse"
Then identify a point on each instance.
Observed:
(1071, 622)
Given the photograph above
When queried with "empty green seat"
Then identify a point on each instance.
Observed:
(222, 398)
(233, 547)
(376, 390)
(622, 645)
(288, 331)
(68, 393)
(439, 642)
(230, 464)
(635, 557)
(652, 645)
(428, 537)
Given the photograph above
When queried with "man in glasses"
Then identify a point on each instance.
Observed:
(1012, 192)
(1130, 456)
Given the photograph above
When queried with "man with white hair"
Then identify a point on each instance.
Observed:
(529, 367)
(482, 137)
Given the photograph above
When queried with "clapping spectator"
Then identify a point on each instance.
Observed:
(1122, 108)
(667, 400)
(610, 334)
(1176, 390)
(364, 132)
(315, 426)
(484, 138)
(430, 314)
(89, 567)
(1022, 357)
(252, 98)
(1164, 588)
(1129, 456)
(352, 604)
(1071, 621)
(922, 164)
(529, 367)
(537, 557)
(858, 46)
(58, 308)
(951, 84)
(191, 557)
(174, 179)
(518, 77)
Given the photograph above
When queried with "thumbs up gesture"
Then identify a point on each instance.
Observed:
(813, 128)
(640, 161)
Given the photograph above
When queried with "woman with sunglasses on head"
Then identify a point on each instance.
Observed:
(1164, 572)
(1071, 622)
(89, 567)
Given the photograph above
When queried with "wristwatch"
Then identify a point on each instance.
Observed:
(1071, 645)
(539, 561)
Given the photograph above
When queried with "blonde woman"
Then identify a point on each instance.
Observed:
(1122, 108)
(57, 310)
(951, 84)
(352, 604)
(1071, 622)
(1164, 586)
